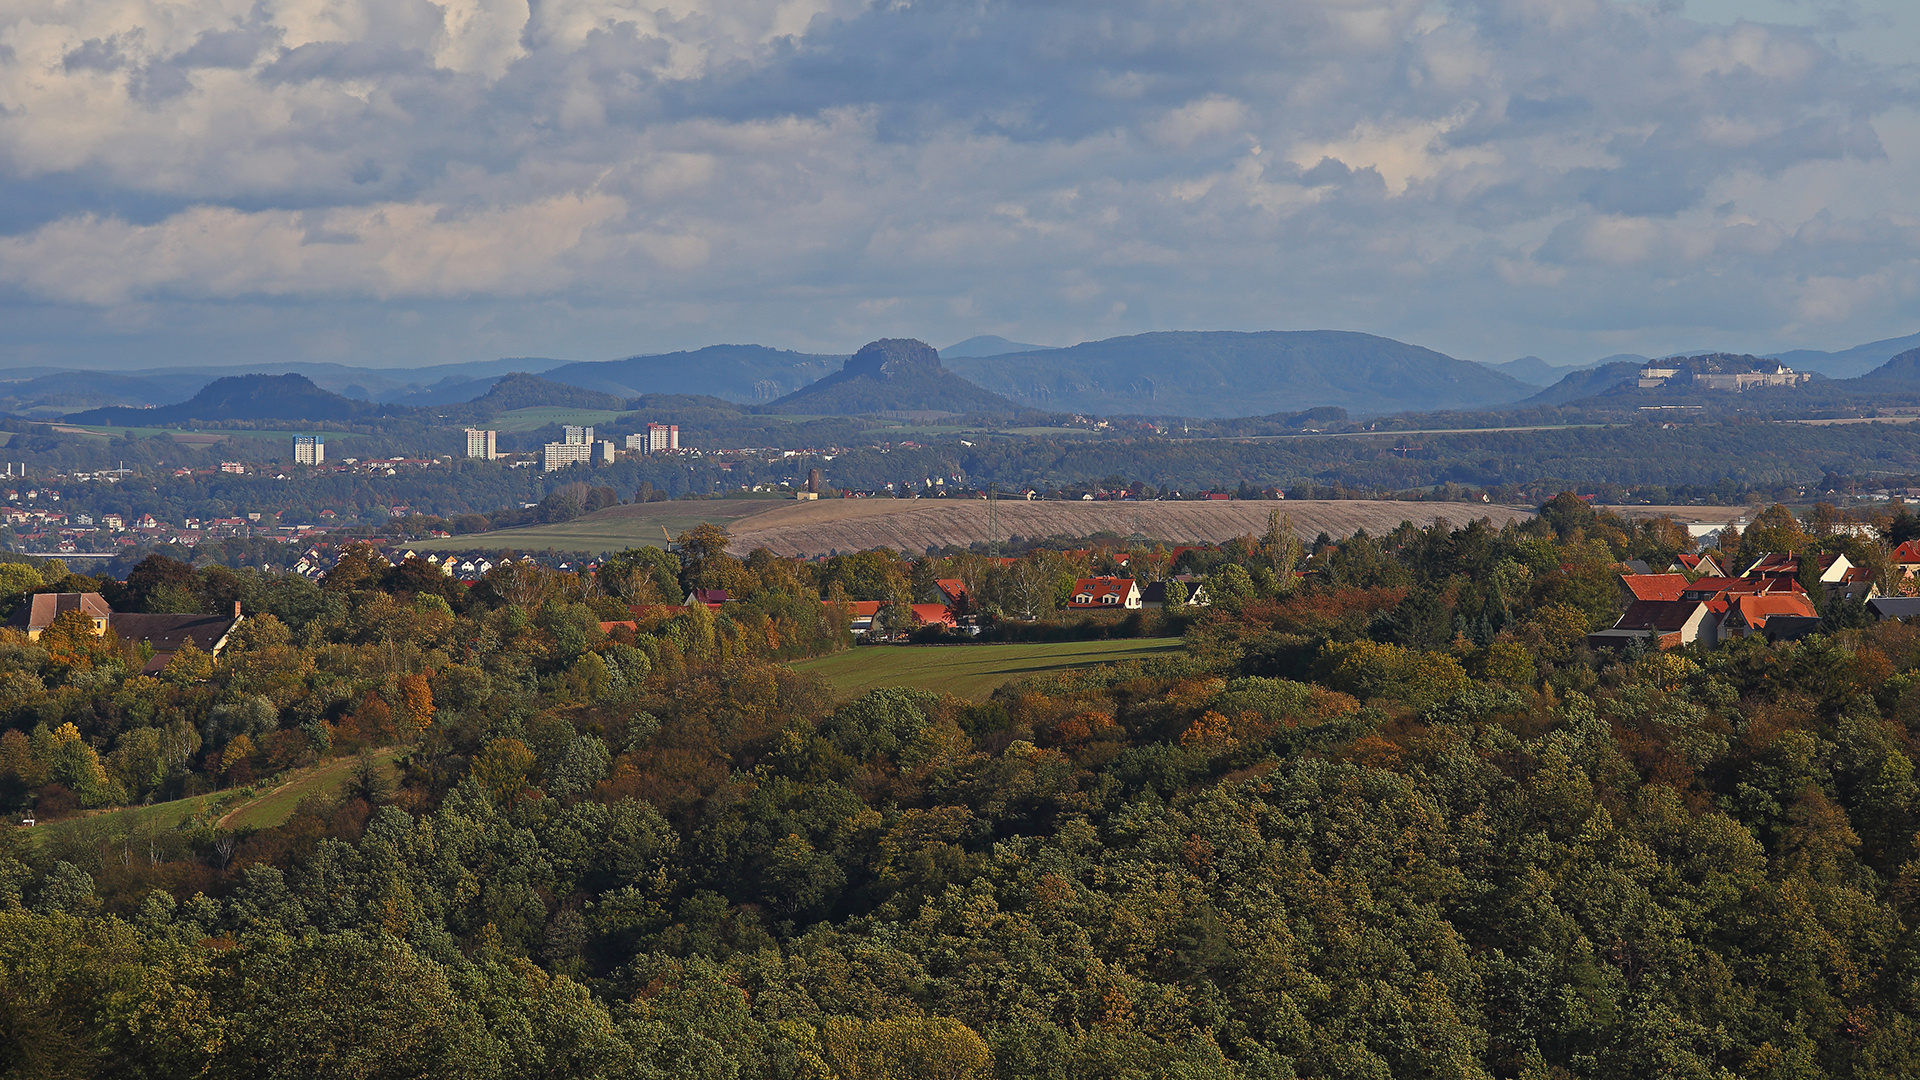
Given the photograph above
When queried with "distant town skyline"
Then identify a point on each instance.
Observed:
(400, 183)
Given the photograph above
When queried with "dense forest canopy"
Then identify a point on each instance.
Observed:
(1388, 819)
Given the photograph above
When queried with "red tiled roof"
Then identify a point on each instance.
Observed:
(1707, 588)
(1097, 588)
(934, 613)
(1756, 610)
(1692, 562)
(1654, 586)
(1907, 553)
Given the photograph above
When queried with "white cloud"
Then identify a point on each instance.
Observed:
(1401, 152)
(809, 171)
(383, 251)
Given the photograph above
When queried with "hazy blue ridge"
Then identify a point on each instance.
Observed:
(1221, 373)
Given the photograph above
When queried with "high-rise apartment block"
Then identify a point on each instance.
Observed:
(578, 449)
(558, 455)
(662, 438)
(309, 449)
(480, 444)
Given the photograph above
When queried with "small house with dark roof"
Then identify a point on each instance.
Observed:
(168, 634)
(713, 598)
(1155, 594)
(1663, 624)
(1894, 607)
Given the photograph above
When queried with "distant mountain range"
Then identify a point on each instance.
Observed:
(894, 375)
(1897, 375)
(246, 397)
(743, 373)
(1220, 373)
(1179, 373)
(519, 390)
(1537, 372)
(989, 345)
(1848, 363)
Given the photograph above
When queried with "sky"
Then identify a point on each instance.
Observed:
(402, 183)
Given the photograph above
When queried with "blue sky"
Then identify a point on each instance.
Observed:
(402, 183)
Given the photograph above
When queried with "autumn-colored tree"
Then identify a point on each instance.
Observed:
(416, 700)
(503, 767)
(189, 665)
(360, 565)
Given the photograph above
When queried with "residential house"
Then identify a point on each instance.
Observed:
(1701, 565)
(1105, 593)
(1668, 615)
(953, 592)
(1842, 579)
(1894, 607)
(1155, 594)
(1664, 624)
(1776, 617)
(165, 634)
(1907, 557)
(1652, 586)
(713, 598)
(43, 608)
(860, 616)
(935, 615)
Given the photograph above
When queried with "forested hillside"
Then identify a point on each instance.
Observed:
(1390, 819)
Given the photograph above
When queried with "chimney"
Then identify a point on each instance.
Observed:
(236, 609)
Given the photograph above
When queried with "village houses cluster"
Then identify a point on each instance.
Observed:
(1697, 600)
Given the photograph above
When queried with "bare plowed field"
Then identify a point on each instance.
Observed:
(913, 525)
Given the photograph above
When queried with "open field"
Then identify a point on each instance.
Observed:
(614, 529)
(262, 811)
(192, 435)
(137, 820)
(1686, 515)
(816, 528)
(916, 524)
(970, 671)
(325, 779)
(540, 416)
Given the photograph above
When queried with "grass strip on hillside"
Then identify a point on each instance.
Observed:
(325, 779)
(970, 671)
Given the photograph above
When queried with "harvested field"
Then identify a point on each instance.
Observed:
(614, 529)
(914, 525)
(1686, 515)
(817, 528)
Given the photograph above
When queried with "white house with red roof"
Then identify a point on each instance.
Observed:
(1104, 593)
